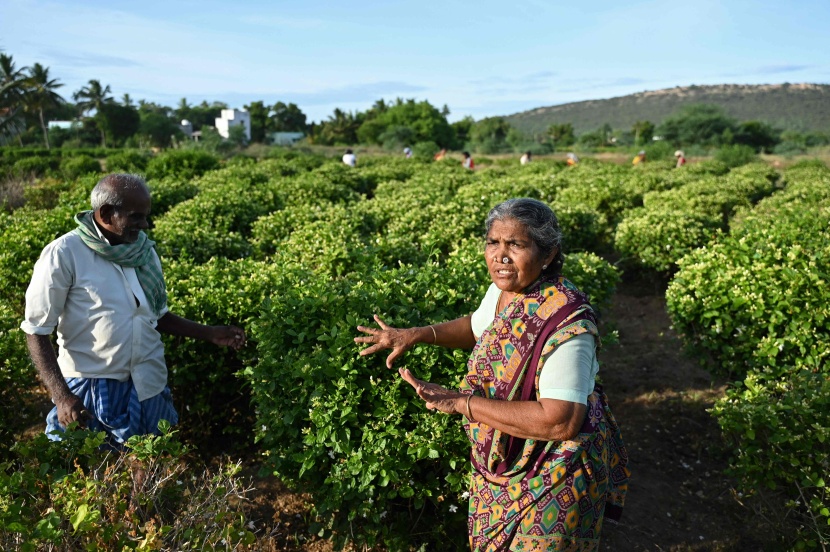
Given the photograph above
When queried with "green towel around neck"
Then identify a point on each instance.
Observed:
(138, 255)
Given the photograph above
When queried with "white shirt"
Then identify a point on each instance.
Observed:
(106, 328)
(569, 371)
(350, 159)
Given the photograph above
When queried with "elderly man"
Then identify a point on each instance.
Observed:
(101, 286)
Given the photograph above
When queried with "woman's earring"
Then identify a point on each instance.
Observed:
(544, 267)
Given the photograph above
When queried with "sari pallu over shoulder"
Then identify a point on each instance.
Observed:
(504, 362)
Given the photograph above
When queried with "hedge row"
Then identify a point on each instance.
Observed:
(756, 304)
(676, 221)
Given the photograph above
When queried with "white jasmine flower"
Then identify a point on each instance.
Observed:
(453, 508)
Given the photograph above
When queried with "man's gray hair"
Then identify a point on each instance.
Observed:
(112, 189)
(540, 222)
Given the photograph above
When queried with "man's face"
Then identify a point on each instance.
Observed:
(123, 224)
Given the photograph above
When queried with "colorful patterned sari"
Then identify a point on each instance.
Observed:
(533, 495)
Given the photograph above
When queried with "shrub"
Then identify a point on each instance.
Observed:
(675, 221)
(79, 165)
(21, 241)
(218, 292)
(378, 465)
(780, 432)
(127, 161)
(187, 163)
(217, 221)
(45, 192)
(755, 300)
(36, 166)
(16, 373)
(735, 155)
(594, 276)
(658, 239)
(425, 150)
(72, 495)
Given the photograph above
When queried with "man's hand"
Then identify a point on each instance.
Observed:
(228, 336)
(72, 409)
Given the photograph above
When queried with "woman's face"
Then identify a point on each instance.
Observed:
(513, 258)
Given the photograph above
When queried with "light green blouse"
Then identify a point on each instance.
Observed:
(569, 371)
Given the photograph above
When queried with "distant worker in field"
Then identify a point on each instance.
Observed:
(572, 159)
(440, 155)
(639, 158)
(349, 158)
(101, 287)
(468, 162)
(681, 158)
(407, 152)
(526, 158)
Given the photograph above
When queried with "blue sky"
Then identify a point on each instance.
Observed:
(482, 58)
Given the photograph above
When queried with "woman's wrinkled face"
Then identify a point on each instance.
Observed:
(513, 258)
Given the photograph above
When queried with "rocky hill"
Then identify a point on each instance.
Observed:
(801, 107)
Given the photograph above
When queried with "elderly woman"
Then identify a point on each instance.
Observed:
(548, 462)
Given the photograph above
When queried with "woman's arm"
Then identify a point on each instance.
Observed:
(455, 334)
(544, 420)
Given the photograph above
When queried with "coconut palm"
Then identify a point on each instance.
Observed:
(41, 95)
(94, 97)
(12, 93)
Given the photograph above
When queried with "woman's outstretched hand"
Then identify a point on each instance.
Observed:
(436, 396)
(387, 337)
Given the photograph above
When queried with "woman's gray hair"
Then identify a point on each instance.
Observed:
(540, 222)
(113, 188)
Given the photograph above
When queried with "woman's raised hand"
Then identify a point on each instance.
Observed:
(387, 337)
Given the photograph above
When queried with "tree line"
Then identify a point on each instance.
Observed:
(30, 98)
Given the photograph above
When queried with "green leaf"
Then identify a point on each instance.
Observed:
(79, 516)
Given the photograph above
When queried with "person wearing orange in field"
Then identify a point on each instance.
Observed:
(468, 162)
(572, 159)
(440, 155)
(681, 158)
(639, 158)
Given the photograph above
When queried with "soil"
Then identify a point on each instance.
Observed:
(679, 497)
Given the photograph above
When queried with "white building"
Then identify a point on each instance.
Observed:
(65, 125)
(231, 118)
(286, 138)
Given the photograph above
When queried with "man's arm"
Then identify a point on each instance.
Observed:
(226, 336)
(70, 407)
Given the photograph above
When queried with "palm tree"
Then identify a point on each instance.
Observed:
(94, 97)
(41, 95)
(126, 100)
(342, 127)
(12, 93)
